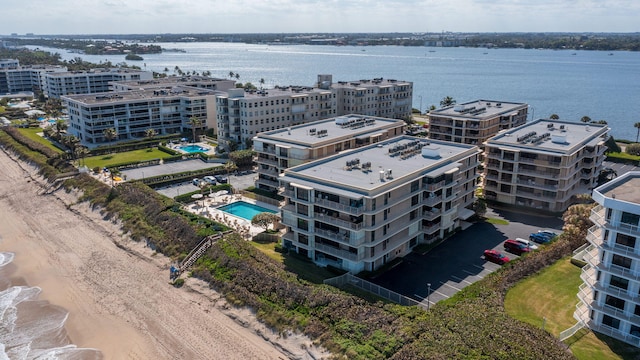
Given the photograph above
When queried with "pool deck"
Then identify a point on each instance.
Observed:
(211, 151)
(211, 211)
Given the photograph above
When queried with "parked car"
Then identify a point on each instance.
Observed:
(548, 233)
(516, 247)
(196, 182)
(221, 179)
(210, 180)
(528, 243)
(495, 257)
(539, 238)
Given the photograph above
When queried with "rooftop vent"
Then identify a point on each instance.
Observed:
(431, 152)
(559, 138)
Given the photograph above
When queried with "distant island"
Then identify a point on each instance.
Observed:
(134, 57)
(120, 44)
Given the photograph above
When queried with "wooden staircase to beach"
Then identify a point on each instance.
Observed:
(57, 181)
(197, 251)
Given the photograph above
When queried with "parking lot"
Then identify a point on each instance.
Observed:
(240, 182)
(458, 261)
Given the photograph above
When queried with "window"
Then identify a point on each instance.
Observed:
(626, 240)
(415, 185)
(622, 261)
(614, 302)
(619, 282)
(303, 224)
(303, 239)
(610, 321)
(628, 218)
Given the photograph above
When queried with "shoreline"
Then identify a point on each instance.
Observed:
(117, 291)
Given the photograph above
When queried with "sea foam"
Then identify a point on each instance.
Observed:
(32, 328)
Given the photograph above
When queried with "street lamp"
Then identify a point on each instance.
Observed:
(420, 96)
(428, 294)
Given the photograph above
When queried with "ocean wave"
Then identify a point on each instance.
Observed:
(32, 328)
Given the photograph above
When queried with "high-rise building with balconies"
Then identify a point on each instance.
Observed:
(281, 149)
(89, 82)
(360, 209)
(476, 121)
(610, 295)
(544, 164)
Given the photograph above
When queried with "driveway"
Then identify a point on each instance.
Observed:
(458, 261)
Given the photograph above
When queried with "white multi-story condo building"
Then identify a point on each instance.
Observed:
(544, 164)
(610, 295)
(16, 79)
(360, 209)
(242, 115)
(475, 122)
(131, 113)
(89, 82)
(203, 82)
(280, 149)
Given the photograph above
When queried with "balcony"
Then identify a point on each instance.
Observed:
(597, 216)
(431, 215)
(430, 229)
(264, 160)
(273, 184)
(594, 236)
(591, 257)
(614, 333)
(338, 221)
(338, 206)
(433, 187)
(343, 254)
(432, 200)
(342, 238)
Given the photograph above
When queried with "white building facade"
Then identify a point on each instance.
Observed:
(89, 82)
(610, 295)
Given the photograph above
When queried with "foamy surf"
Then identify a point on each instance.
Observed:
(32, 328)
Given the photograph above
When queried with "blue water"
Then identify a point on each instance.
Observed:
(244, 209)
(193, 148)
(591, 83)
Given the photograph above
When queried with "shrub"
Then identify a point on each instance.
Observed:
(633, 149)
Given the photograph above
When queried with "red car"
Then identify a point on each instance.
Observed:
(516, 247)
(496, 257)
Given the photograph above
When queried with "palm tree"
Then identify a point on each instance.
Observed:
(60, 126)
(109, 134)
(237, 76)
(82, 152)
(194, 122)
(637, 126)
(447, 101)
(231, 74)
(585, 119)
(150, 133)
(261, 83)
(554, 117)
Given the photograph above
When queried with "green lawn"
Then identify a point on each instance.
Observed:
(1, 109)
(296, 264)
(550, 298)
(32, 133)
(497, 221)
(124, 157)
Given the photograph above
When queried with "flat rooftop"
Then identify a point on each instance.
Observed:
(479, 109)
(328, 130)
(367, 83)
(170, 80)
(544, 135)
(360, 170)
(98, 72)
(625, 188)
(125, 96)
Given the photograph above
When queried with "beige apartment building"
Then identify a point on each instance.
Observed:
(132, 113)
(244, 114)
(475, 122)
(93, 81)
(544, 164)
(359, 209)
(609, 302)
(280, 149)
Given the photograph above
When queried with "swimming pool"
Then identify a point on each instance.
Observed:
(244, 209)
(193, 148)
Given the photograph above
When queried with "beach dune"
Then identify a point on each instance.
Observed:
(115, 290)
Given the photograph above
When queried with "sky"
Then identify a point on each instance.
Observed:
(316, 16)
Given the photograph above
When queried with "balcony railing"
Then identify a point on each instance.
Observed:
(597, 216)
(431, 229)
(431, 214)
(263, 160)
(342, 238)
(594, 236)
(432, 200)
(338, 206)
(338, 221)
(344, 254)
(433, 187)
(614, 333)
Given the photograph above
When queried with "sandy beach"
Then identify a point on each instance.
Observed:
(116, 290)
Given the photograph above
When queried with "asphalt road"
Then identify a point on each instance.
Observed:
(458, 261)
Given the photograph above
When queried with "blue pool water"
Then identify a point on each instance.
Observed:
(193, 148)
(244, 209)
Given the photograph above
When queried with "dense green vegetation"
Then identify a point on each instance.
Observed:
(472, 324)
